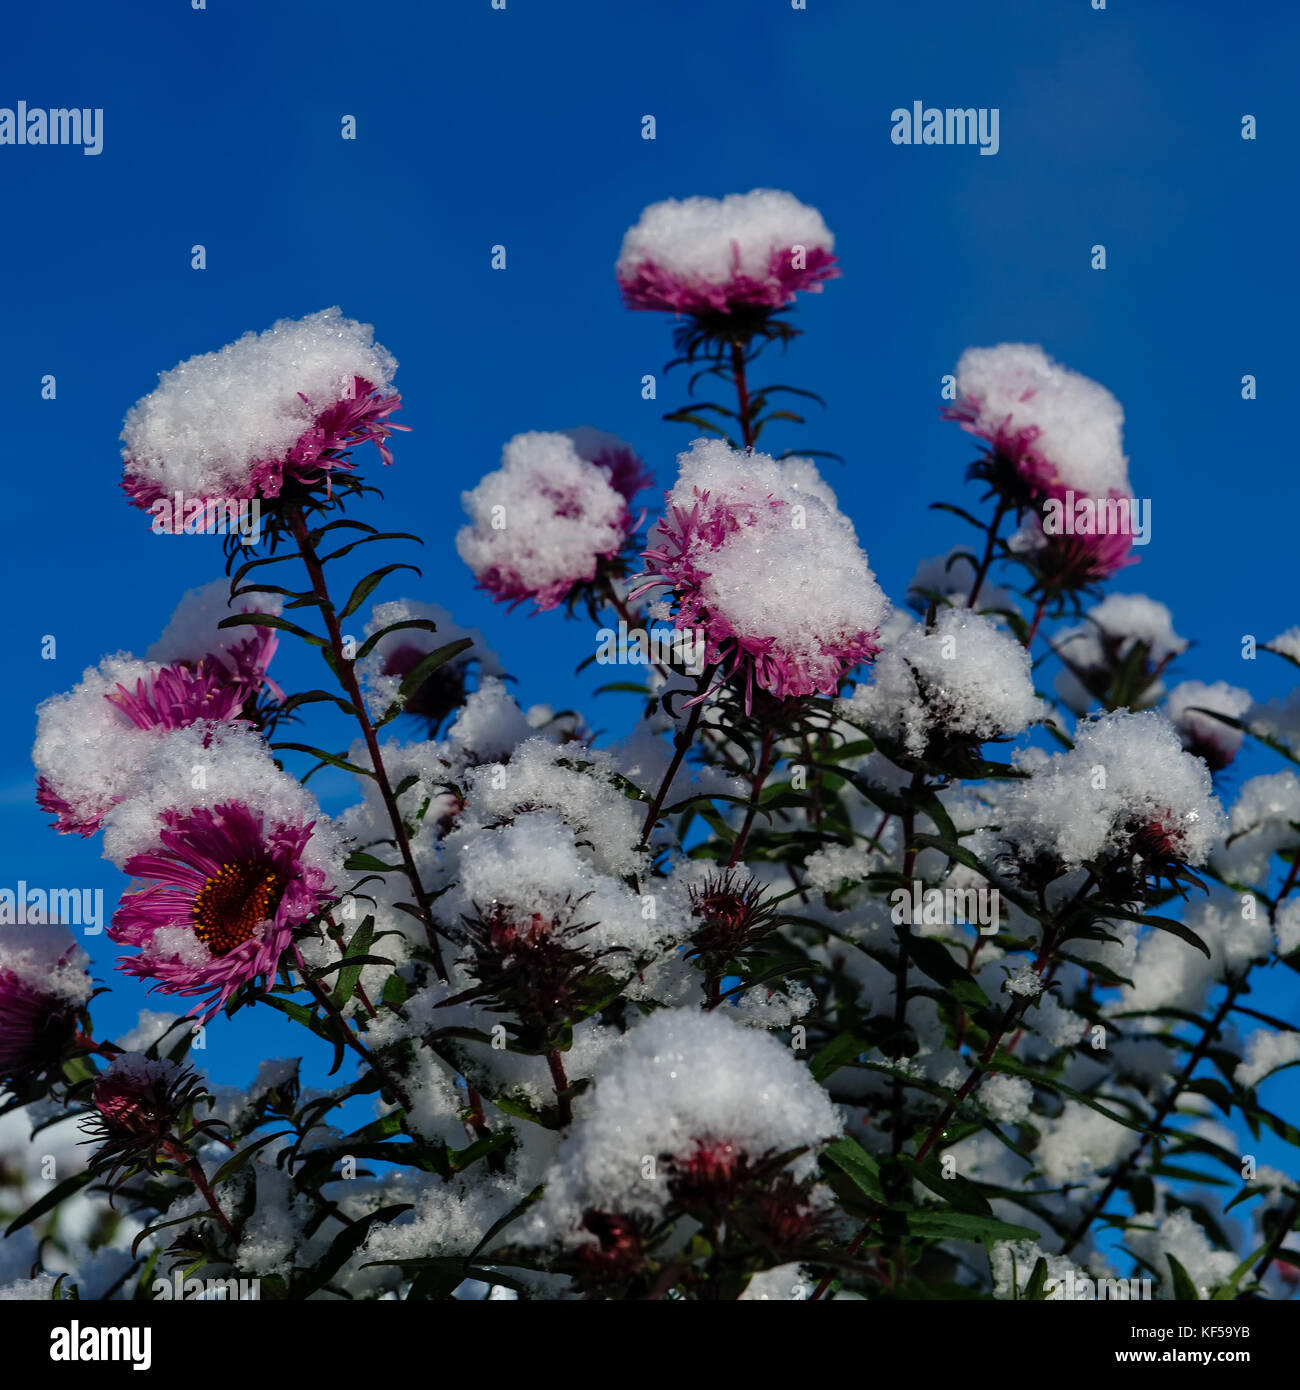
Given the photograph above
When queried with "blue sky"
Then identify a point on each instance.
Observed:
(523, 127)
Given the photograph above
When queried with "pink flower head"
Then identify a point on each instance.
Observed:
(227, 892)
(1055, 428)
(238, 657)
(761, 561)
(707, 256)
(283, 406)
(43, 986)
(547, 519)
(1066, 560)
(90, 741)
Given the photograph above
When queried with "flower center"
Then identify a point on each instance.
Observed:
(229, 906)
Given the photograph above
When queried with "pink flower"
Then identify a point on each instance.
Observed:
(545, 522)
(176, 696)
(1066, 562)
(707, 256)
(761, 561)
(281, 407)
(43, 989)
(228, 892)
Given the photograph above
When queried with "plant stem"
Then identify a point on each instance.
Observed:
(1162, 1111)
(562, 1099)
(346, 1033)
(988, 553)
(348, 679)
(742, 391)
(195, 1174)
(683, 742)
(760, 776)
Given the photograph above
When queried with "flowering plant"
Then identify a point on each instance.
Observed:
(858, 966)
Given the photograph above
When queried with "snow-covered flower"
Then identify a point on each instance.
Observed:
(711, 1105)
(238, 656)
(715, 256)
(1209, 738)
(1096, 653)
(547, 519)
(226, 891)
(44, 984)
(1126, 787)
(395, 654)
(283, 406)
(1261, 823)
(233, 864)
(139, 1105)
(760, 557)
(948, 689)
(1055, 427)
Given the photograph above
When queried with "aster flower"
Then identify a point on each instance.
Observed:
(306, 392)
(1063, 562)
(143, 1114)
(44, 988)
(1048, 428)
(724, 257)
(758, 556)
(1118, 655)
(549, 520)
(733, 917)
(395, 654)
(227, 888)
(1192, 705)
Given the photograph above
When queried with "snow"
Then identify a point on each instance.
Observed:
(217, 413)
(1071, 422)
(680, 1078)
(1268, 1052)
(46, 959)
(711, 239)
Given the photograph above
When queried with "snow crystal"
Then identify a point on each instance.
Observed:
(1006, 1098)
(680, 1078)
(1071, 422)
(217, 413)
(1012, 1263)
(965, 679)
(1025, 982)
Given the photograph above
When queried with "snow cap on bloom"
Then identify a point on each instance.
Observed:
(1127, 786)
(952, 576)
(1056, 427)
(1268, 1052)
(396, 654)
(543, 522)
(964, 681)
(1209, 738)
(43, 983)
(1259, 826)
(281, 405)
(230, 868)
(237, 655)
(1093, 653)
(1179, 1234)
(91, 740)
(760, 557)
(710, 255)
(689, 1088)
(1169, 973)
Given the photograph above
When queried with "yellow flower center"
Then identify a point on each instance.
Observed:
(229, 906)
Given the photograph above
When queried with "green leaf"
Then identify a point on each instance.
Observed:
(957, 1225)
(343, 1247)
(47, 1203)
(959, 1193)
(271, 620)
(835, 1054)
(368, 584)
(1184, 1290)
(851, 1158)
